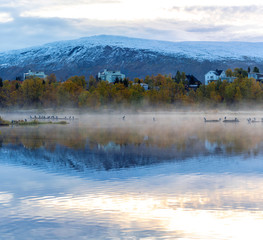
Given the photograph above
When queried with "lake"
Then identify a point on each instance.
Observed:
(150, 176)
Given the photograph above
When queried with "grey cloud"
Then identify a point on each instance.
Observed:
(14, 12)
(222, 20)
(30, 31)
(26, 32)
(222, 9)
(206, 29)
(190, 26)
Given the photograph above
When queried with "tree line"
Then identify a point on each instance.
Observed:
(163, 91)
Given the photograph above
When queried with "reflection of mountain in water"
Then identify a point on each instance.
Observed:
(101, 157)
(106, 157)
(110, 156)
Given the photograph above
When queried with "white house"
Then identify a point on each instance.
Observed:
(145, 86)
(213, 76)
(257, 76)
(110, 76)
(34, 74)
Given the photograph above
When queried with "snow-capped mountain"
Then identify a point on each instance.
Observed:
(134, 57)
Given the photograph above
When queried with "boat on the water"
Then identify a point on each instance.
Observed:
(254, 120)
(235, 120)
(212, 120)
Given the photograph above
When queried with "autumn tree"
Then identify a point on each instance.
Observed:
(51, 78)
(240, 73)
(229, 73)
(92, 82)
(238, 95)
(79, 81)
(183, 78)
(178, 77)
(70, 90)
(83, 99)
(32, 89)
(230, 93)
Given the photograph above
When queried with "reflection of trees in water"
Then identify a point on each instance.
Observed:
(189, 139)
(236, 138)
(85, 147)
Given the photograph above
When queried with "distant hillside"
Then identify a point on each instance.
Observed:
(134, 57)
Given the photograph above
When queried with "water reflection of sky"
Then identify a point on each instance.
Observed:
(199, 183)
(190, 205)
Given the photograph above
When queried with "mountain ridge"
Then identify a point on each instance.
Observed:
(135, 57)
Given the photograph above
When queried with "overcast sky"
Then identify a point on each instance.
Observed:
(25, 23)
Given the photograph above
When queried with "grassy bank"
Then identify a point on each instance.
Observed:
(35, 122)
(4, 122)
(27, 123)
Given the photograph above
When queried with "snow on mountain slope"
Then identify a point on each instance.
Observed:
(128, 54)
(197, 50)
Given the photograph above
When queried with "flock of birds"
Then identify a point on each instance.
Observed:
(254, 120)
(235, 120)
(52, 117)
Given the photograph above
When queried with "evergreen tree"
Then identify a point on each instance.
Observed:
(1, 82)
(126, 82)
(256, 69)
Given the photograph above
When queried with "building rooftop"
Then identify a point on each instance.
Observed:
(218, 72)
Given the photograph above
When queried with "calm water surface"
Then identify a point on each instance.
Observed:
(100, 177)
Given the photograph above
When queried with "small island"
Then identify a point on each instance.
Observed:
(27, 123)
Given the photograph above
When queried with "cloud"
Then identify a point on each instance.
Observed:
(224, 9)
(219, 14)
(26, 32)
(5, 17)
(206, 29)
(30, 31)
(41, 3)
(183, 23)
